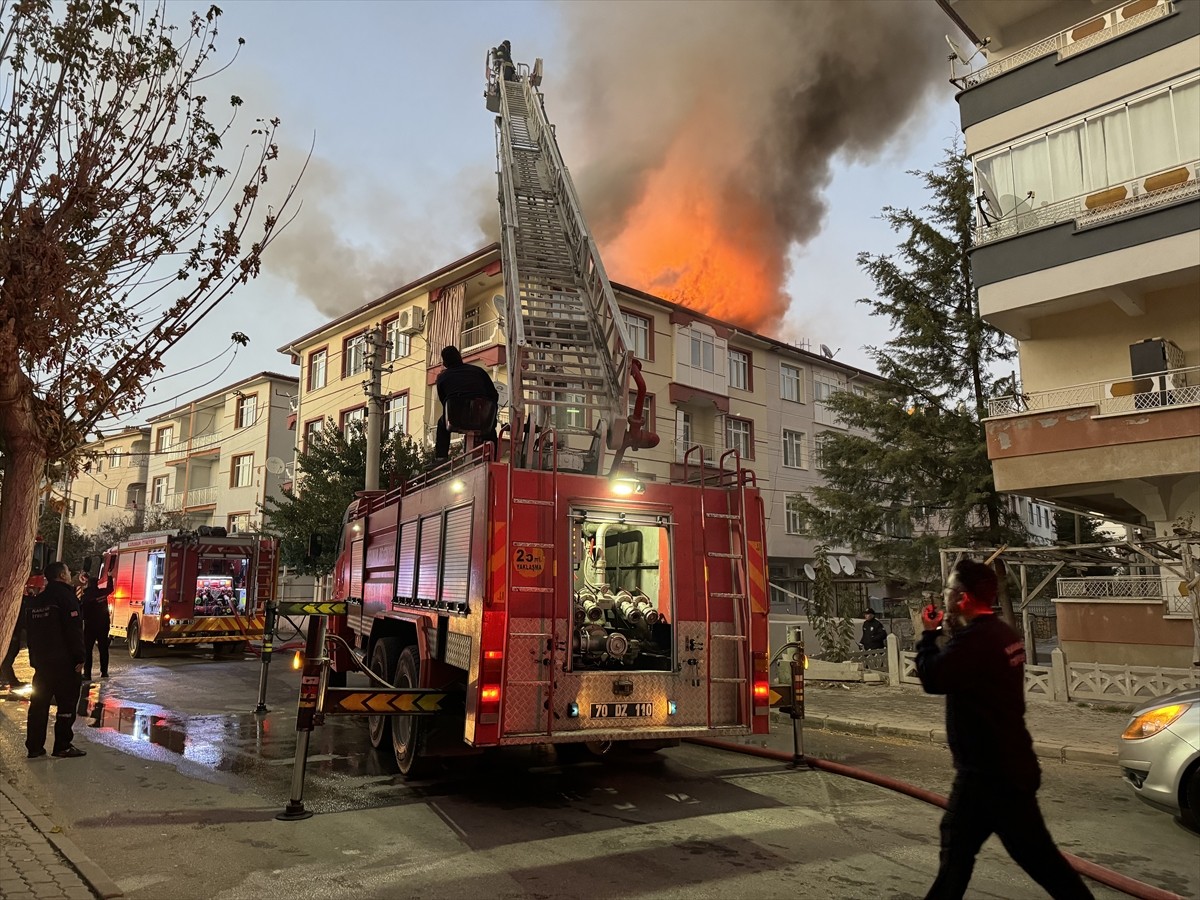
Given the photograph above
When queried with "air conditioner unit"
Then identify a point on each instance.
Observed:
(412, 320)
(1159, 362)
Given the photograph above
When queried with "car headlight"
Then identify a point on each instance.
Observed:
(1152, 721)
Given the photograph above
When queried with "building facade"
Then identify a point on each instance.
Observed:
(710, 384)
(216, 459)
(1083, 127)
(112, 483)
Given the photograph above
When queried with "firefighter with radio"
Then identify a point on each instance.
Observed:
(981, 670)
(55, 635)
(93, 602)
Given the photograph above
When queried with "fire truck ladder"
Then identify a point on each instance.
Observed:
(728, 657)
(265, 573)
(568, 357)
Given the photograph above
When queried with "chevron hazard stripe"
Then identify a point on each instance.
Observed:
(400, 702)
(312, 609)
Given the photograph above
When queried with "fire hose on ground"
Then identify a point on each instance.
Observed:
(1094, 871)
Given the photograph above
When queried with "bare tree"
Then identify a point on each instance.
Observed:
(120, 229)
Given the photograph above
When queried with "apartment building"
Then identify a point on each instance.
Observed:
(217, 458)
(1083, 127)
(112, 483)
(710, 384)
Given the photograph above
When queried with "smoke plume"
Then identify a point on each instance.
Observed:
(702, 134)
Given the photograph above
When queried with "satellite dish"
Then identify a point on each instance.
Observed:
(834, 566)
(498, 304)
(810, 572)
(275, 465)
(826, 352)
(847, 565)
(502, 390)
(986, 198)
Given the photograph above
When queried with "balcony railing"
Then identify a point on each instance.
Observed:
(1076, 39)
(182, 500)
(193, 445)
(1097, 207)
(479, 336)
(1114, 587)
(1141, 393)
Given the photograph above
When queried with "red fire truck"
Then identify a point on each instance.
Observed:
(567, 599)
(36, 583)
(196, 587)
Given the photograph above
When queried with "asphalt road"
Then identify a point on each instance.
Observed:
(178, 794)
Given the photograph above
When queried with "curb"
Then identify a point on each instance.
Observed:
(923, 734)
(89, 870)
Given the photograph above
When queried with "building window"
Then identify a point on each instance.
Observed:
(794, 455)
(739, 436)
(647, 410)
(396, 344)
(112, 496)
(166, 437)
(311, 430)
(99, 464)
(793, 517)
(703, 351)
(354, 355)
(158, 490)
(471, 334)
(85, 503)
(242, 470)
(238, 523)
(575, 415)
(685, 429)
(247, 411)
(739, 370)
(1109, 147)
(397, 414)
(114, 461)
(353, 421)
(316, 369)
(639, 329)
(819, 450)
(791, 383)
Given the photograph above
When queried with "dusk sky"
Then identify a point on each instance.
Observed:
(390, 96)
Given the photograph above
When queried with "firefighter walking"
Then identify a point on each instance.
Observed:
(54, 632)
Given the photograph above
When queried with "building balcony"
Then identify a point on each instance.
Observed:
(480, 336)
(205, 496)
(197, 444)
(1178, 387)
(1126, 588)
(1082, 36)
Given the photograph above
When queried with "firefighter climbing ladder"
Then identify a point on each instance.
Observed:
(567, 349)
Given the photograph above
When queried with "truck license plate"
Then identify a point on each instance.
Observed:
(622, 710)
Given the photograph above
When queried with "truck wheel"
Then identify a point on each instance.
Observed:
(133, 639)
(587, 751)
(229, 649)
(408, 731)
(383, 664)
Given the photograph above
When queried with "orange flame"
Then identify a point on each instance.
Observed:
(715, 254)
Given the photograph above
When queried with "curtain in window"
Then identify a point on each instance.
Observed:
(1066, 162)
(445, 322)
(1109, 158)
(997, 180)
(1153, 132)
(1186, 100)
(1031, 172)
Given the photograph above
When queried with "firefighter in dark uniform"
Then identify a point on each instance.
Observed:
(458, 384)
(981, 670)
(54, 630)
(93, 604)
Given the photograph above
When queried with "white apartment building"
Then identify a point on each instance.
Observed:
(217, 458)
(112, 483)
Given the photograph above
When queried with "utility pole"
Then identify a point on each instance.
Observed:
(62, 521)
(374, 391)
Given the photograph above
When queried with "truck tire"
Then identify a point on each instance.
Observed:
(383, 663)
(408, 731)
(229, 649)
(133, 639)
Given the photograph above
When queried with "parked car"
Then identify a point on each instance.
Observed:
(1159, 754)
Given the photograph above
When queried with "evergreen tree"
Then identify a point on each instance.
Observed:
(833, 631)
(916, 478)
(330, 470)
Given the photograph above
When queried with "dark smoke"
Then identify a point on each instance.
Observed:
(765, 94)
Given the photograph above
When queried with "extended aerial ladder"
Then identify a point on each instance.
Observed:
(569, 361)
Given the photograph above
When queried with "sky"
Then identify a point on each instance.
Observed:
(388, 96)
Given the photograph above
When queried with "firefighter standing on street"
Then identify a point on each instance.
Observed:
(93, 604)
(55, 635)
(981, 670)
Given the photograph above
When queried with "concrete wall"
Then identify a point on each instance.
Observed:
(1132, 633)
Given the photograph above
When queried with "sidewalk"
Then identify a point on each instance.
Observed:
(1066, 732)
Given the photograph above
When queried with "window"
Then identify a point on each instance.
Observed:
(85, 502)
(112, 496)
(647, 410)
(158, 490)
(471, 334)
(397, 414)
(316, 369)
(247, 411)
(396, 344)
(99, 463)
(685, 429)
(791, 383)
(353, 421)
(575, 415)
(311, 430)
(639, 329)
(166, 437)
(703, 351)
(238, 523)
(819, 450)
(794, 455)
(354, 355)
(739, 436)
(739, 370)
(242, 470)
(114, 461)
(793, 517)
